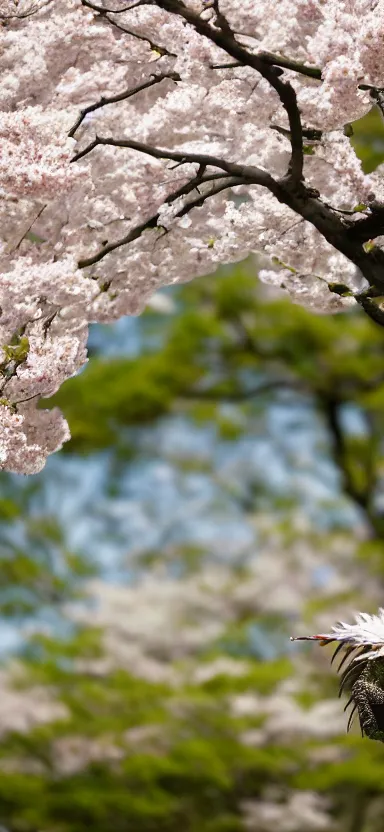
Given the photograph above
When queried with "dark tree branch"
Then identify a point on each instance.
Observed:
(24, 15)
(331, 409)
(310, 133)
(287, 63)
(362, 496)
(301, 200)
(345, 235)
(280, 61)
(371, 469)
(103, 11)
(248, 173)
(220, 183)
(26, 230)
(371, 309)
(285, 91)
(334, 229)
(369, 227)
(229, 65)
(122, 96)
(221, 20)
(162, 50)
(377, 94)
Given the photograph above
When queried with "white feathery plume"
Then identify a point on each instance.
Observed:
(360, 643)
(367, 631)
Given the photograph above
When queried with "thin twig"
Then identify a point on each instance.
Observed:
(122, 96)
(156, 47)
(24, 234)
(23, 15)
(102, 10)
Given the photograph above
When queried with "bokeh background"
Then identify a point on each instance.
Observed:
(223, 489)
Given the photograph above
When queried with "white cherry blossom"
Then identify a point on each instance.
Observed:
(143, 144)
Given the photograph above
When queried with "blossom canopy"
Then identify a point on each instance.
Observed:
(145, 143)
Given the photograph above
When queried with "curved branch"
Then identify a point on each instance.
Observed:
(287, 63)
(303, 201)
(249, 173)
(361, 495)
(221, 20)
(122, 96)
(369, 227)
(17, 245)
(24, 15)
(222, 184)
(280, 61)
(103, 11)
(285, 91)
(331, 409)
(291, 190)
(156, 47)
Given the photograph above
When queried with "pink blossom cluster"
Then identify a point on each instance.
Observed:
(35, 153)
(29, 436)
(110, 81)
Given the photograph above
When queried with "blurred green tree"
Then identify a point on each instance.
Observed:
(225, 355)
(178, 706)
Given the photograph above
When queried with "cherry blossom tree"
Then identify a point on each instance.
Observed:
(144, 143)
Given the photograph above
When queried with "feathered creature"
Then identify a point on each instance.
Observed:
(362, 644)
